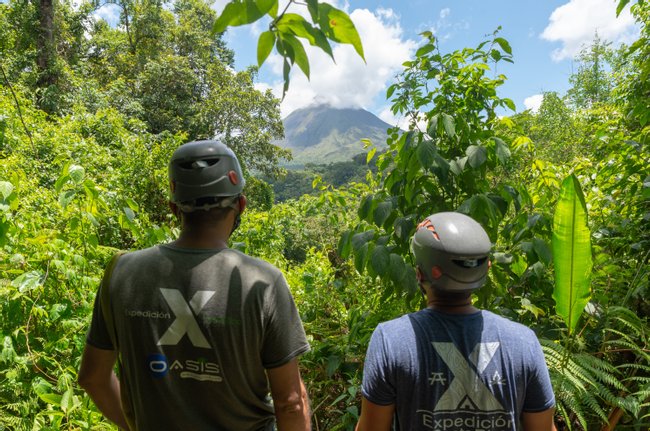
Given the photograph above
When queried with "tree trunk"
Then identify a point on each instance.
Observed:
(45, 43)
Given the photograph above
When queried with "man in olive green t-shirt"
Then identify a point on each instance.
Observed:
(202, 333)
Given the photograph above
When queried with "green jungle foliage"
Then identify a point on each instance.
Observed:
(90, 115)
(295, 183)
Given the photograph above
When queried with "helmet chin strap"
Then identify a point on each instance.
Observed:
(236, 224)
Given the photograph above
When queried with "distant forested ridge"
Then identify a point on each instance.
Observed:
(298, 181)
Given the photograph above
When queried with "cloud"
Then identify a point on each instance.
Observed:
(575, 23)
(349, 82)
(534, 102)
(387, 115)
(110, 13)
(444, 28)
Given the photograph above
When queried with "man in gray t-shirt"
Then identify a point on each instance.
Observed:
(202, 333)
(452, 367)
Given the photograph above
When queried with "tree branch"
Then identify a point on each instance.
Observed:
(20, 114)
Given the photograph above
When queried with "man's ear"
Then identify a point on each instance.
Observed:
(420, 278)
(174, 209)
(242, 203)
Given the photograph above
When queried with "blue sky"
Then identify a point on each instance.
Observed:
(545, 36)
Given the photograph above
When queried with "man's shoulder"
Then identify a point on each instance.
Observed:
(396, 325)
(245, 261)
(138, 255)
(505, 325)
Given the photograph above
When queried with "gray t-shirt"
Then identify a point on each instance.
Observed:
(456, 372)
(195, 330)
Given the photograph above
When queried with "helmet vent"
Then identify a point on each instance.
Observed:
(469, 263)
(198, 164)
(429, 226)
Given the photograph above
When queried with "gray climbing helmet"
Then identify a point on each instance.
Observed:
(452, 251)
(204, 169)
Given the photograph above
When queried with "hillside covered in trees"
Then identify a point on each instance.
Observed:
(89, 115)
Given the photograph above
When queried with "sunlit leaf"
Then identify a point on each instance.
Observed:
(338, 27)
(621, 6)
(8, 353)
(505, 46)
(292, 23)
(425, 50)
(241, 12)
(129, 213)
(312, 7)
(458, 166)
(6, 189)
(571, 253)
(66, 197)
(27, 281)
(510, 104)
(66, 400)
(229, 16)
(50, 398)
(264, 46)
(77, 173)
(299, 54)
(370, 155)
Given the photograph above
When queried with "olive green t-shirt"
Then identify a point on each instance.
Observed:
(195, 331)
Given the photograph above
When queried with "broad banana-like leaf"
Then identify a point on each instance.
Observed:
(571, 253)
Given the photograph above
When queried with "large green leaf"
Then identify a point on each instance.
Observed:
(291, 23)
(338, 27)
(264, 46)
(243, 12)
(300, 56)
(571, 253)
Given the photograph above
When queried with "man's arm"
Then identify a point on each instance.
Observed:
(98, 379)
(375, 417)
(538, 421)
(289, 397)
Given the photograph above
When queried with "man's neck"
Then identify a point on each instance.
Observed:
(457, 304)
(453, 308)
(201, 239)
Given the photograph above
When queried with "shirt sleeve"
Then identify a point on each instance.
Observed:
(539, 391)
(98, 335)
(284, 336)
(378, 384)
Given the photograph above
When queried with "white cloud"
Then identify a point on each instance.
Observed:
(575, 23)
(110, 13)
(349, 82)
(387, 115)
(534, 102)
(444, 28)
